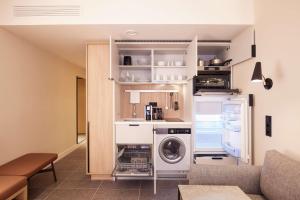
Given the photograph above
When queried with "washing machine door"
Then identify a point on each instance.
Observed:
(172, 150)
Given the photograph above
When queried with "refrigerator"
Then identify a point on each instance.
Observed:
(222, 126)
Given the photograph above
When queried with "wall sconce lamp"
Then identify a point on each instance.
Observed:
(258, 77)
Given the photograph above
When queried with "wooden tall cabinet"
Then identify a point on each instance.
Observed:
(99, 111)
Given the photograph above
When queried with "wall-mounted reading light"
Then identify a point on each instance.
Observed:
(258, 77)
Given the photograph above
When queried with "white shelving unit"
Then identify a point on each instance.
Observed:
(153, 91)
(134, 66)
(154, 63)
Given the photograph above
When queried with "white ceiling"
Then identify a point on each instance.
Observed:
(68, 41)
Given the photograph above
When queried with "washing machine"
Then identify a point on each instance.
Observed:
(173, 151)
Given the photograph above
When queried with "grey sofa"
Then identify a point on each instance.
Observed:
(277, 179)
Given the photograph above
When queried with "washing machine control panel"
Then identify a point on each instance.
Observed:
(179, 131)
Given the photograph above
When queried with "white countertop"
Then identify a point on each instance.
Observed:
(154, 122)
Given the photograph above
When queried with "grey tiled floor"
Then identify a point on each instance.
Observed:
(73, 184)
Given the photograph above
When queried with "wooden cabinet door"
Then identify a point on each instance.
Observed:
(134, 133)
(100, 109)
(242, 47)
(191, 58)
(114, 61)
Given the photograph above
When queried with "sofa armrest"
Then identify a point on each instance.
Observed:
(246, 177)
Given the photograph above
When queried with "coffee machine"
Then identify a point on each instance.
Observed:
(148, 112)
(152, 112)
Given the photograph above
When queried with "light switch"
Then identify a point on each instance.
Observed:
(268, 125)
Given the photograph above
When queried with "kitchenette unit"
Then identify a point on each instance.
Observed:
(151, 112)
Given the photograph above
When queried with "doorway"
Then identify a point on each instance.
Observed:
(80, 110)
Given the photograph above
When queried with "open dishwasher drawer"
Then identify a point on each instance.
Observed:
(134, 161)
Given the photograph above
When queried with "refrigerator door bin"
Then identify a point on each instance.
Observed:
(215, 160)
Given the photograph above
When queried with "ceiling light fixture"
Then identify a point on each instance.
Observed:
(131, 32)
(258, 77)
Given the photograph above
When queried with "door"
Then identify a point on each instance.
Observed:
(100, 111)
(236, 139)
(113, 61)
(80, 109)
(191, 58)
(242, 47)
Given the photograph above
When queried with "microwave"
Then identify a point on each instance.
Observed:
(212, 81)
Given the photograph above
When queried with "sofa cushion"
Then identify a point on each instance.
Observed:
(256, 197)
(9, 185)
(244, 176)
(280, 177)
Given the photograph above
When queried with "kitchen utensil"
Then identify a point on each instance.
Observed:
(120, 153)
(200, 62)
(166, 106)
(176, 104)
(127, 60)
(215, 61)
(219, 62)
(171, 100)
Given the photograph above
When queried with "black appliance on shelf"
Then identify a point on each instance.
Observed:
(212, 81)
(152, 112)
(127, 60)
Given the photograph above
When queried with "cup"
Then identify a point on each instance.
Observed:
(157, 77)
(165, 77)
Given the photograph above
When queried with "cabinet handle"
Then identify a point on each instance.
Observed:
(111, 79)
(134, 125)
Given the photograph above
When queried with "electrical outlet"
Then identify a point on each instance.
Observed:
(268, 125)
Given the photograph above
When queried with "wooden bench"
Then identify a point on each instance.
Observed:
(29, 165)
(13, 187)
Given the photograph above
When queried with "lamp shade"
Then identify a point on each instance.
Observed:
(257, 74)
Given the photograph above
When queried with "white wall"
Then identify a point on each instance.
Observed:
(138, 12)
(277, 27)
(38, 100)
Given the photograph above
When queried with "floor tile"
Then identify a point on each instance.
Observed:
(38, 193)
(121, 184)
(79, 184)
(147, 184)
(77, 175)
(162, 194)
(117, 194)
(167, 184)
(71, 194)
(44, 180)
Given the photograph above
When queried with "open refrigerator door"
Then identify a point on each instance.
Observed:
(236, 139)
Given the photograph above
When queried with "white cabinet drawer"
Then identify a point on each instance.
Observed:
(134, 133)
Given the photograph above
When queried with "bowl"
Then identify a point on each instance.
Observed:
(178, 63)
(161, 63)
